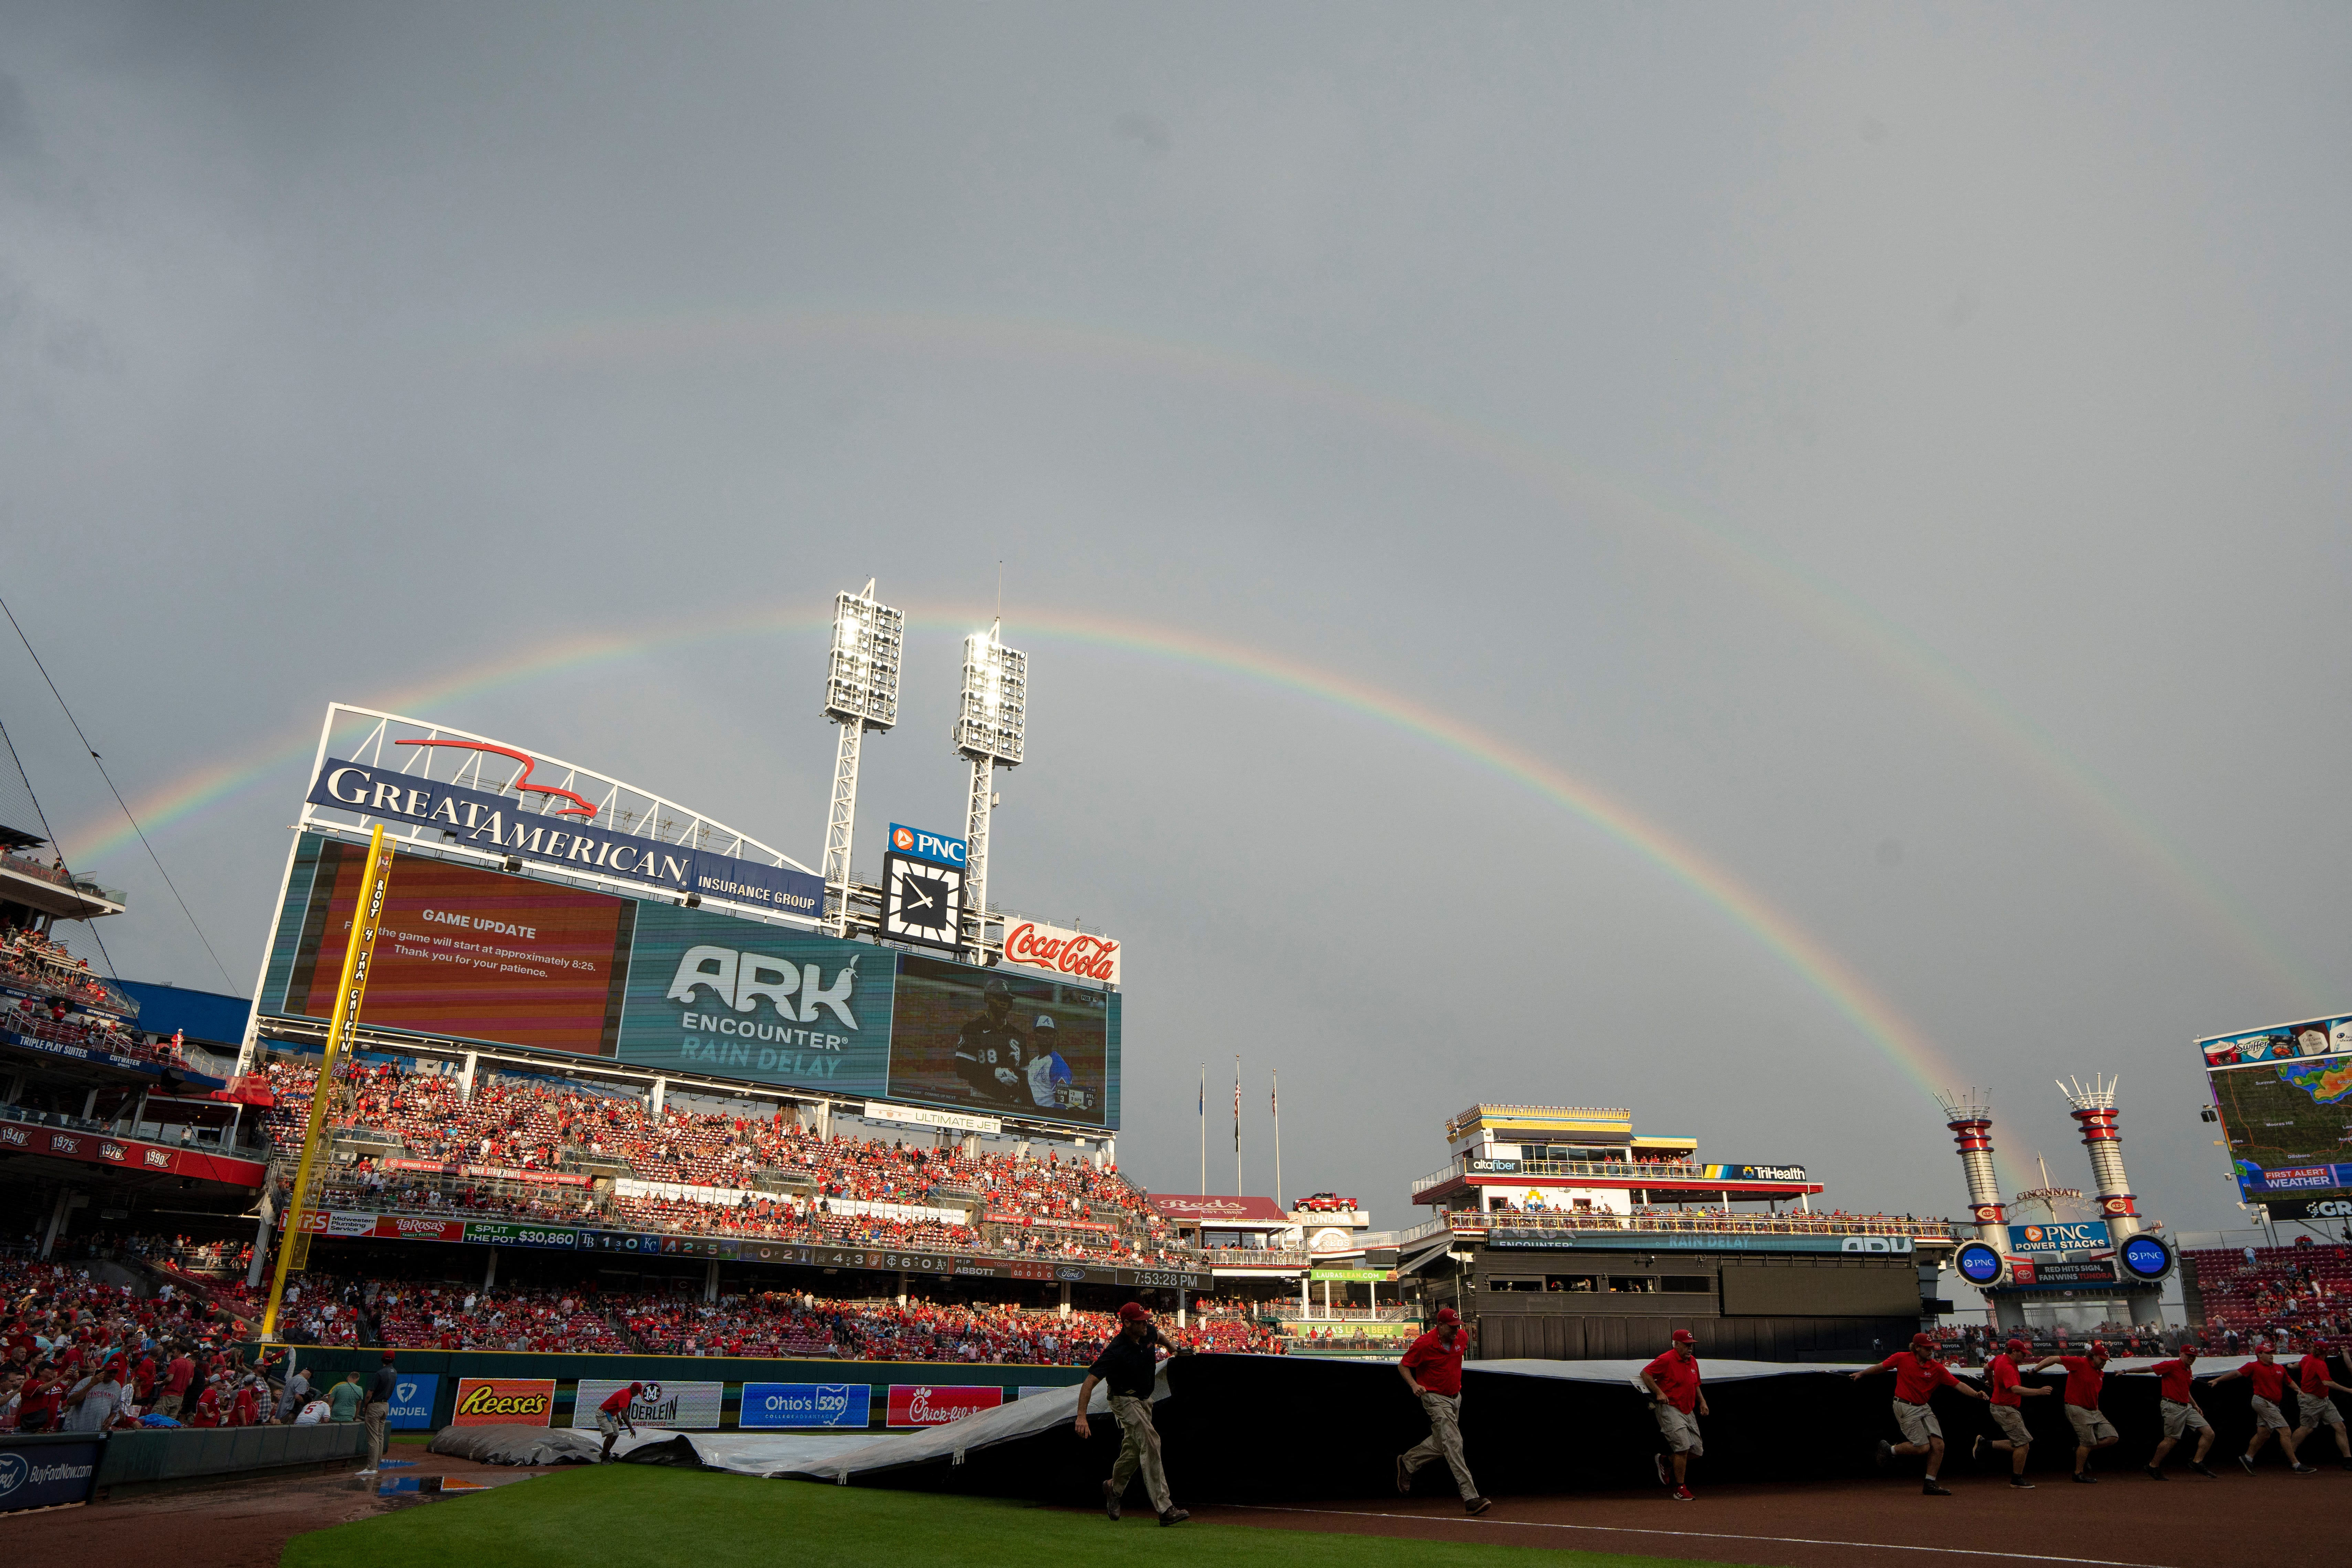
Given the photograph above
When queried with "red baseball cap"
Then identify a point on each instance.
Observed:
(2019, 1347)
(2099, 1348)
(1685, 1336)
(1923, 1342)
(1448, 1315)
(1132, 1312)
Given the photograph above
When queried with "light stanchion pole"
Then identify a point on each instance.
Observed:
(294, 1247)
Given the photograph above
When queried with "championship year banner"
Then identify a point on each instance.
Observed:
(799, 1405)
(675, 1406)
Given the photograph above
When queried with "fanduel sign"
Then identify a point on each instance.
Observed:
(480, 820)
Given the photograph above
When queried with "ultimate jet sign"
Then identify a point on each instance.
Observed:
(480, 820)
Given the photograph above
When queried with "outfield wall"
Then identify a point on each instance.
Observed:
(566, 1371)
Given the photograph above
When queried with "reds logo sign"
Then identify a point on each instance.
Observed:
(1058, 951)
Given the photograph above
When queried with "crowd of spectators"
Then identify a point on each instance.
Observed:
(1702, 1217)
(459, 1318)
(792, 1324)
(2268, 1291)
(32, 961)
(1015, 1205)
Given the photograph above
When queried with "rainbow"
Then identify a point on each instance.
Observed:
(1807, 597)
(1902, 1042)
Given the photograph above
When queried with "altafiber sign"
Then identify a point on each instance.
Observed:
(795, 1404)
(677, 1406)
(934, 1405)
(505, 1402)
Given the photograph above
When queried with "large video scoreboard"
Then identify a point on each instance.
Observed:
(2284, 1097)
(474, 955)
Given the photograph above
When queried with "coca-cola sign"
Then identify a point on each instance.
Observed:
(930, 1405)
(1077, 954)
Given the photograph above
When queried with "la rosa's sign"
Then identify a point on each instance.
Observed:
(1058, 951)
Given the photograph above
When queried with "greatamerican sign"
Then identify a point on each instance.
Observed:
(477, 819)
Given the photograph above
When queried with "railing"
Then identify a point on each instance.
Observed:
(1679, 1174)
(24, 866)
(1290, 1313)
(179, 1135)
(1251, 1257)
(1471, 1222)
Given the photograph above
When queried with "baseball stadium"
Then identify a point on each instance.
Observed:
(584, 1179)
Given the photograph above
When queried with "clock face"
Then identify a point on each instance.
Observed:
(921, 901)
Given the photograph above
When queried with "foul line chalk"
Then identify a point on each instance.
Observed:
(1694, 1535)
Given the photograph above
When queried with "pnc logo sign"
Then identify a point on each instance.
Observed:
(933, 846)
(739, 979)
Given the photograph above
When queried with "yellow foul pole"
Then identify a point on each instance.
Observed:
(294, 1243)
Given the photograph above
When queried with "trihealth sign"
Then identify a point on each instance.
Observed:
(477, 819)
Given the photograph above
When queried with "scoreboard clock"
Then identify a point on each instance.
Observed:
(922, 901)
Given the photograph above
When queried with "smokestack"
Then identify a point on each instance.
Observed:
(1971, 1124)
(2095, 1109)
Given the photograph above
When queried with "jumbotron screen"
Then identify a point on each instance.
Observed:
(475, 955)
(2284, 1097)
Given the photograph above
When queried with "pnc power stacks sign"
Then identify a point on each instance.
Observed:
(505, 1402)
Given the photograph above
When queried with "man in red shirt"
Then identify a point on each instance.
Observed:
(2181, 1415)
(1431, 1368)
(2086, 1376)
(613, 1415)
(2313, 1386)
(177, 1375)
(207, 1412)
(2006, 1392)
(1917, 1375)
(2269, 1379)
(1675, 1400)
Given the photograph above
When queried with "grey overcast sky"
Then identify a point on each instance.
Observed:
(1737, 561)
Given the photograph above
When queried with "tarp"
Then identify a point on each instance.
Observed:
(1242, 1428)
(520, 1445)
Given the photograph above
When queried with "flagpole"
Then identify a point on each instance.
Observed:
(1204, 1127)
(1277, 1138)
(1237, 1124)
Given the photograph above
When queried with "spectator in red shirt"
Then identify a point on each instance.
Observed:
(2311, 1388)
(208, 1408)
(2006, 1392)
(177, 1375)
(2269, 1379)
(1917, 1375)
(1431, 1368)
(2086, 1377)
(1673, 1380)
(2177, 1406)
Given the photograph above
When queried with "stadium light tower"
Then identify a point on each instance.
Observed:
(1970, 1120)
(861, 693)
(989, 730)
(2095, 1109)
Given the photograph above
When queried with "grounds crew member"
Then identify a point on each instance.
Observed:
(613, 1415)
(2085, 1376)
(1917, 1375)
(378, 1408)
(2312, 1385)
(2005, 1392)
(1127, 1367)
(1676, 1402)
(1431, 1368)
(2177, 1405)
(2269, 1379)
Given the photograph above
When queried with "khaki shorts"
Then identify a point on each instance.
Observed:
(2011, 1422)
(2318, 1409)
(2089, 1426)
(2268, 1414)
(2179, 1420)
(1918, 1422)
(1680, 1429)
(608, 1424)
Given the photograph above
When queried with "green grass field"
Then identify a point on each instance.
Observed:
(617, 1516)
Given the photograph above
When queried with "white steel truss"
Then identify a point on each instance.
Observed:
(841, 827)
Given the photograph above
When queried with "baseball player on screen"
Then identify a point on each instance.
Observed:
(990, 1049)
(1048, 1074)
